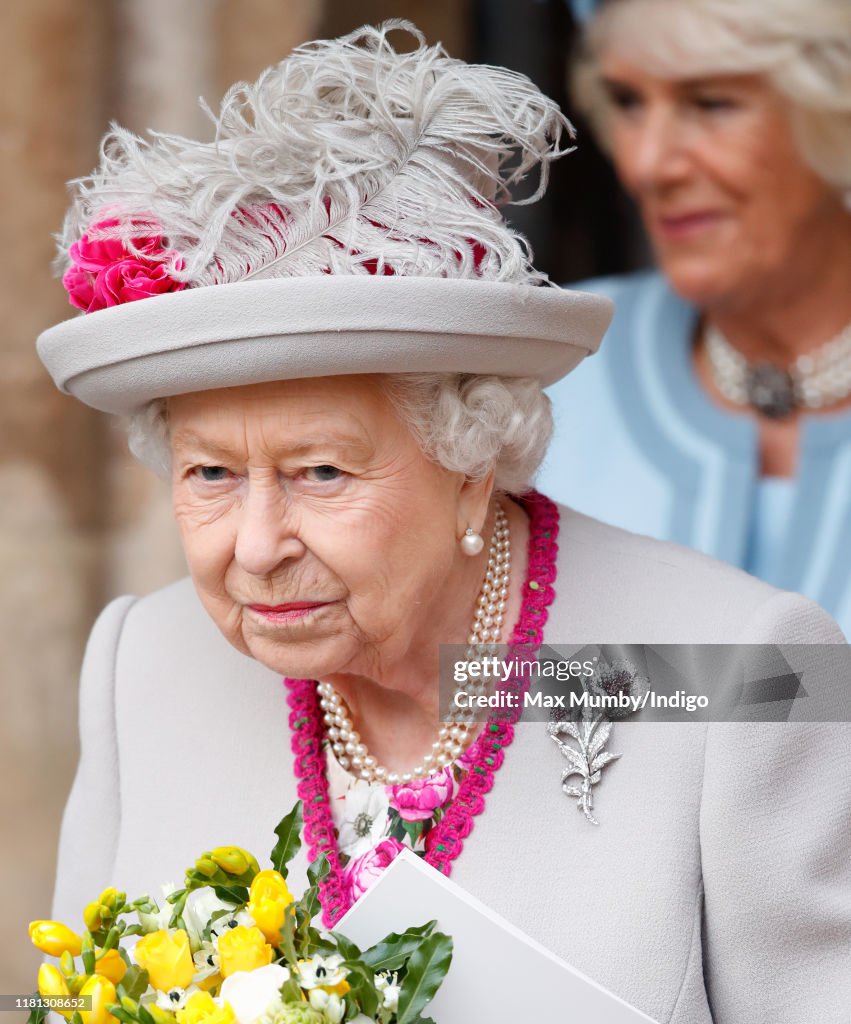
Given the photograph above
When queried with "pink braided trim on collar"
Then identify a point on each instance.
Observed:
(485, 756)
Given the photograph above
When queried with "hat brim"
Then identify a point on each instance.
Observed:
(120, 358)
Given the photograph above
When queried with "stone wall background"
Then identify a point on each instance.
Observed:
(80, 522)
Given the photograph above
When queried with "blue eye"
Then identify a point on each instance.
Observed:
(211, 474)
(325, 474)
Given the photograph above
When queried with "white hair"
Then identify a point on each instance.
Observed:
(803, 47)
(467, 423)
(473, 424)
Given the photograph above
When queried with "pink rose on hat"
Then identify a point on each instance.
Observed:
(362, 872)
(105, 272)
(418, 799)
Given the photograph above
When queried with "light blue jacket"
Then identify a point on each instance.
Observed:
(639, 444)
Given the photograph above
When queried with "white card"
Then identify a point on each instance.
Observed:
(498, 974)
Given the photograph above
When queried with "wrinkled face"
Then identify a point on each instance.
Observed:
(726, 199)
(319, 537)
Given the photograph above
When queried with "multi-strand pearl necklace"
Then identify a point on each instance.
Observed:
(815, 379)
(351, 751)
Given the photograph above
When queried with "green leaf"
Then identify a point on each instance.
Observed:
(347, 948)
(121, 1014)
(302, 931)
(289, 841)
(414, 829)
(318, 869)
(397, 830)
(287, 943)
(290, 991)
(144, 1016)
(362, 988)
(309, 903)
(236, 894)
(426, 970)
(392, 952)
(37, 1014)
(134, 983)
(314, 942)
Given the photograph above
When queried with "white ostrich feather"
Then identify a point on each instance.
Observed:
(348, 158)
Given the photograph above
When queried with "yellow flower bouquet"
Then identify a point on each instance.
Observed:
(233, 946)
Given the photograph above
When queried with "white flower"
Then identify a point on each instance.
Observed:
(321, 971)
(250, 993)
(386, 985)
(221, 924)
(201, 904)
(175, 998)
(364, 818)
(331, 1005)
(206, 960)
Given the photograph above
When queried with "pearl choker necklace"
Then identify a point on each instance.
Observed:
(813, 380)
(451, 740)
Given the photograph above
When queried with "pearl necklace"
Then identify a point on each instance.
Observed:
(815, 379)
(351, 751)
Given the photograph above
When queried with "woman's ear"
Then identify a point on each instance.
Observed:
(473, 501)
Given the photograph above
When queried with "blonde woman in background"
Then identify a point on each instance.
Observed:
(721, 402)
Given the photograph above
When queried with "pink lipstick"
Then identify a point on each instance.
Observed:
(293, 611)
(687, 224)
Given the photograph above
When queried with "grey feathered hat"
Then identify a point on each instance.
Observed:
(345, 219)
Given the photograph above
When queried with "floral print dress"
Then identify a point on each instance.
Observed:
(373, 822)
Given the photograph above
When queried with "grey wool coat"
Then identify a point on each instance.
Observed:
(717, 887)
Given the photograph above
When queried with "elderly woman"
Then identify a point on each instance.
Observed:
(722, 402)
(343, 369)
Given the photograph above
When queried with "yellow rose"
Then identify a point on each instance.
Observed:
(102, 992)
(243, 949)
(167, 959)
(201, 1009)
(53, 938)
(111, 966)
(268, 901)
(51, 983)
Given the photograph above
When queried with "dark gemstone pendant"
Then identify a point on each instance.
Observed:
(770, 391)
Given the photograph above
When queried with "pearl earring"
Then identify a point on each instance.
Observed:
(472, 542)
